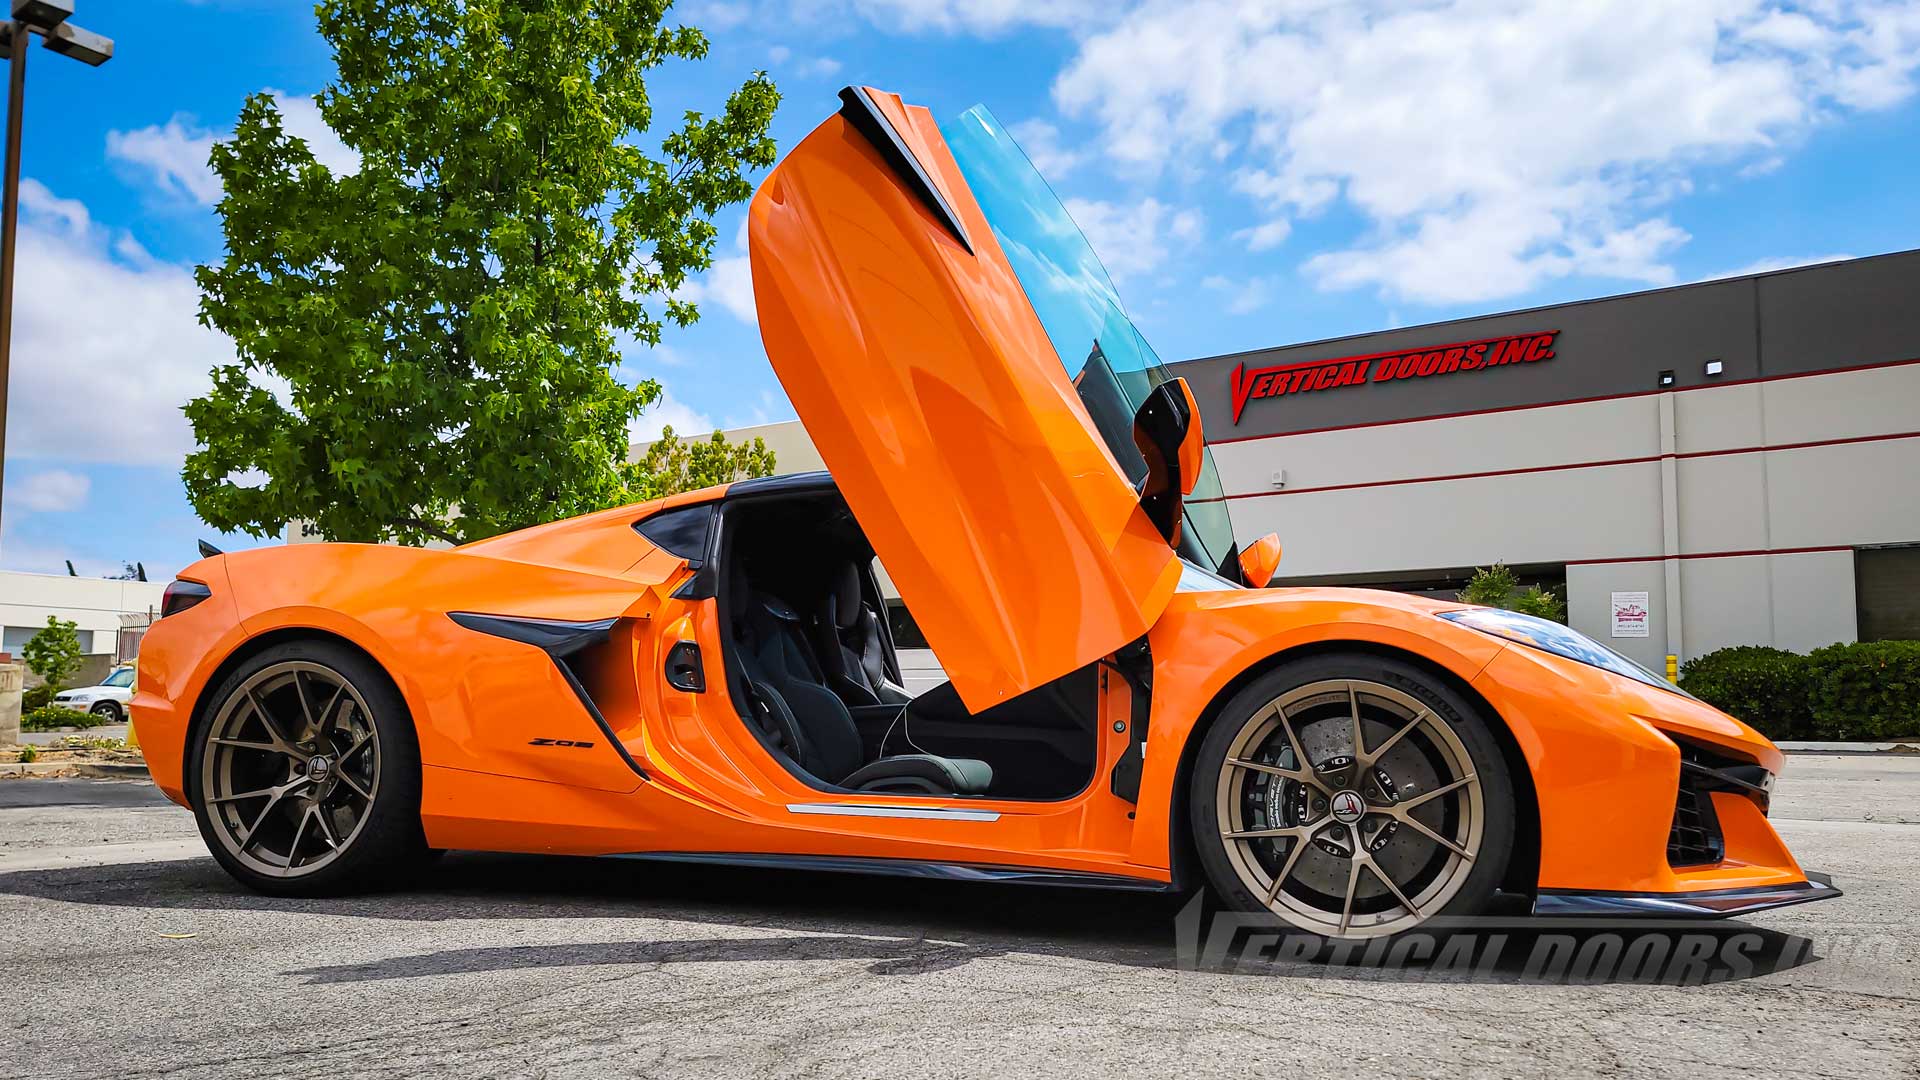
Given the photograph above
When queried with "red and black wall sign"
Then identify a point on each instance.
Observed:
(1374, 368)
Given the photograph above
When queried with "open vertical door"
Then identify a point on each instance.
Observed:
(930, 387)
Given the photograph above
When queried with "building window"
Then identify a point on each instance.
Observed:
(1886, 584)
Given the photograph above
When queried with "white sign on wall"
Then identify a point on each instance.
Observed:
(1630, 614)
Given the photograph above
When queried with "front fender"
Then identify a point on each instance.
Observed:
(1204, 642)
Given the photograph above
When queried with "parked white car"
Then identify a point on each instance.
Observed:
(108, 701)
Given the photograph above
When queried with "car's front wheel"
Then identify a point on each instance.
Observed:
(108, 712)
(306, 772)
(1352, 796)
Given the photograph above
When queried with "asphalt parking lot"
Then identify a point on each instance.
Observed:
(128, 953)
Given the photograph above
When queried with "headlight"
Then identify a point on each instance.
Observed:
(1559, 640)
(81, 699)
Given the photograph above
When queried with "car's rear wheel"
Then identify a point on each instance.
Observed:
(1352, 796)
(307, 773)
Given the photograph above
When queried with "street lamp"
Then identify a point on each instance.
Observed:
(48, 18)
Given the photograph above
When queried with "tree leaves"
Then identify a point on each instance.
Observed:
(427, 347)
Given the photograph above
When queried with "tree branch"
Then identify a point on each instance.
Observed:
(430, 529)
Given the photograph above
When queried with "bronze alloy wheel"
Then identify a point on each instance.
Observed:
(1353, 803)
(291, 768)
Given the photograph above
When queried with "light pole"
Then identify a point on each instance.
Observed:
(48, 18)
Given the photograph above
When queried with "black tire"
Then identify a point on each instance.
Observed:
(386, 844)
(1484, 815)
(110, 712)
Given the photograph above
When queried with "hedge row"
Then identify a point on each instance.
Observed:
(1865, 691)
(53, 718)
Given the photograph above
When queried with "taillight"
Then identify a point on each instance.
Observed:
(181, 595)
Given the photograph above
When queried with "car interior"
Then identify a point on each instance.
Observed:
(812, 668)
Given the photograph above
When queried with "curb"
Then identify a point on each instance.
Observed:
(1805, 746)
(94, 770)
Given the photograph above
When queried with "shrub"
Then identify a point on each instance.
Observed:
(1540, 603)
(38, 698)
(1763, 686)
(54, 653)
(53, 718)
(1490, 586)
(29, 754)
(1866, 690)
(1498, 586)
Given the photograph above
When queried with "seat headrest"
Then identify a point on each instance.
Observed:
(846, 596)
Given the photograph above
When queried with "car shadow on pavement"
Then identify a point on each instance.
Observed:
(905, 926)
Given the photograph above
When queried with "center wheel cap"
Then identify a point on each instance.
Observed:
(318, 769)
(1348, 807)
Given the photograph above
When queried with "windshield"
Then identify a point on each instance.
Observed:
(123, 677)
(1108, 360)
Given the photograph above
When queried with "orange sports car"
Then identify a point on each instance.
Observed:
(711, 677)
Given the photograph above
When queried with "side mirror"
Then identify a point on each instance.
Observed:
(1166, 429)
(1259, 559)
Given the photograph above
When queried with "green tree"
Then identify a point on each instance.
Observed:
(426, 346)
(54, 652)
(673, 465)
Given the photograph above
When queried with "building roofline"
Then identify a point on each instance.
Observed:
(1808, 268)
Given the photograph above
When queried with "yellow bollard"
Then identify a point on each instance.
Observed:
(1673, 669)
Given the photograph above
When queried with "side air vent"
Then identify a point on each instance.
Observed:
(1695, 838)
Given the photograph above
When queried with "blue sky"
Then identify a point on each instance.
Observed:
(1253, 173)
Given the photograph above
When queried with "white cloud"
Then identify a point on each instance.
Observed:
(1267, 235)
(979, 16)
(52, 491)
(668, 411)
(1244, 296)
(1778, 262)
(300, 116)
(1041, 141)
(105, 351)
(36, 200)
(1132, 239)
(729, 284)
(1491, 144)
(779, 54)
(821, 67)
(175, 153)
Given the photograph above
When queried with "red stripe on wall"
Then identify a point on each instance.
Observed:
(1563, 401)
(1564, 467)
(1709, 555)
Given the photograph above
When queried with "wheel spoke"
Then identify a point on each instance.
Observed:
(1427, 797)
(1262, 834)
(321, 818)
(1359, 735)
(273, 801)
(1301, 775)
(306, 707)
(1381, 873)
(238, 795)
(1377, 752)
(1353, 886)
(279, 737)
(331, 714)
(299, 833)
(341, 761)
(1286, 870)
(347, 779)
(243, 744)
(1299, 752)
(1421, 827)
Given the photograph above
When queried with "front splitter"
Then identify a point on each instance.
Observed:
(1709, 904)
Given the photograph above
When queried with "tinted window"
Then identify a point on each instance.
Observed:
(680, 532)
